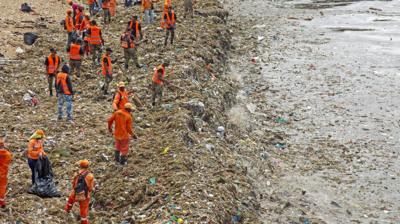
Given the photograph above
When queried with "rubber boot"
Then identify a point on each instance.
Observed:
(123, 160)
(117, 156)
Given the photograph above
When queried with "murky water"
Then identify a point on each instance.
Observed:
(333, 72)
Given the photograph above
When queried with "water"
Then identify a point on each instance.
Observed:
(334, 72)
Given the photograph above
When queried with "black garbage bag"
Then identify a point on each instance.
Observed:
(30, 38)
(26, 8)
(44, 185)
(128, 3)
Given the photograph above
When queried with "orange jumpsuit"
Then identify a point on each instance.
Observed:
(5, 160)
(120, 99)
(123, 130)
(83, 205)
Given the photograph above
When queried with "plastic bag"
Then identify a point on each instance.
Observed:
(44, 185)
(26, 8)
(30, 38)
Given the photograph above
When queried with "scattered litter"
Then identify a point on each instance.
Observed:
(19, 50)
(152, 181)
(281, 120)
(30, 38)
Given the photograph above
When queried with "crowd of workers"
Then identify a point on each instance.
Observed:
(84, 38)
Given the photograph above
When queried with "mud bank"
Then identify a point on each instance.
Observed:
(185, 145)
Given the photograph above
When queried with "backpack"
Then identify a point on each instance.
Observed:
(81, 188)
(63, 24)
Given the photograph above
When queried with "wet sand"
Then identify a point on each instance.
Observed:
(331, 75)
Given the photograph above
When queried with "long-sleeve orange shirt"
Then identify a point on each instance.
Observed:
(120, 99)
(5, 160)
(35, 147)
(89, 179)
(123, 124)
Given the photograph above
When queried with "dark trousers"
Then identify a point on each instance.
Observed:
(32, 165)
(168, 32)
(50, 80)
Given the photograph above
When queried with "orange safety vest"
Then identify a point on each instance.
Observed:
(74, 52)
(35, 148)
(169, 21)
(137, 34)
(155, 77)
(69, 24)
(105, 4)
(95, 38)
(146, 4)
(62, 79)
(78, 20)
(120, 99)
(52, 65)
(85, 24)
(106, 68)
(126, 41)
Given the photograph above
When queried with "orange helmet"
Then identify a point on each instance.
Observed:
(84, 163)
(40, 133)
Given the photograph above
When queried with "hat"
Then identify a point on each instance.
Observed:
(128, 106)
(108, 49)
(84, 163)
(65, 69)
(38, 134)
(121, 84)
(53, 50)
(69, 11)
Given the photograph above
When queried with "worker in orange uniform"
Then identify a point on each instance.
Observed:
(82, 187)
(95, 41)
(123, 132)
(106, 70)
(35, 150)
(129, 46)
(148, 9)
(76, 52)
(91, 4)
(158, 82)
(170, 25)
(106, 10)
(64, 93)
(135, 27)
(69, 26)
(5, 160)
(85, 25)
(78, 17)
(52, 63)
(121, 97)
(113, 8)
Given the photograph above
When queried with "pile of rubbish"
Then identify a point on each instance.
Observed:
(181, 169)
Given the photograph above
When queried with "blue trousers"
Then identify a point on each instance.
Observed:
(32, 165)
(61, 99)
